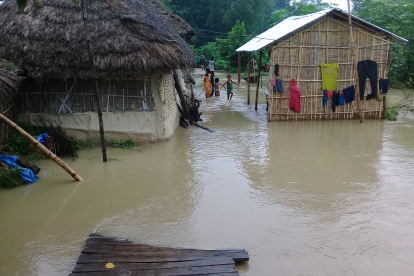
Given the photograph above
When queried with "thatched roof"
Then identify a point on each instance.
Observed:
(9, 85)
(129, 38)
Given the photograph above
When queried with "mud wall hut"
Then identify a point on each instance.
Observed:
(300, 44)
(137, 45)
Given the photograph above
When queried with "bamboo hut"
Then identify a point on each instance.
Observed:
(299, 44)
(137, 45)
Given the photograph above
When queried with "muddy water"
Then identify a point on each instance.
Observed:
(304, 198)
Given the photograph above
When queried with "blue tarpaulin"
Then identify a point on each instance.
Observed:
(42, 137)
(27, 174)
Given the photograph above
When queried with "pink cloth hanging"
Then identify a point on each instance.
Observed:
(294, 101)
(274, 82)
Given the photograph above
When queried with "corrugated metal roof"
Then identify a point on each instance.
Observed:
(294, 23)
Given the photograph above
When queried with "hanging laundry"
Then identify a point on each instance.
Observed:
(368, 68)
(341, 99)
(327, 95)
(349, 94)
(329, 75)
(294, 101)
(276, 70)
(277, 85)
(380, 97)
(384, 85)
(335, 100)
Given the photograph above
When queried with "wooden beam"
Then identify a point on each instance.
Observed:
(258, 80)
(248, 77)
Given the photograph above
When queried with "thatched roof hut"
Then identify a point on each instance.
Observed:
(128, 37)
(136, 45)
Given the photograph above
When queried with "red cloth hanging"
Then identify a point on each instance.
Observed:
(294, 101)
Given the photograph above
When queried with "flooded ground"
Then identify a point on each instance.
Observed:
(303, 198)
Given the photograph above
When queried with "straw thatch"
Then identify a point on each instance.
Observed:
(129, 38)
(9, 85)
(178, 24)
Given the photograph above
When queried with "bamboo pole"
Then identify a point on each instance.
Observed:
(39, 145)
(93, 76)
(353, 44)
(239, 55)
(248, 77)
(257, 87)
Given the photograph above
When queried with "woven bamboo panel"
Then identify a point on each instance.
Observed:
(169, 90)
(327, 41)
(55, 96)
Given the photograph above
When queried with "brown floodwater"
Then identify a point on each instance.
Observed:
(303, 198)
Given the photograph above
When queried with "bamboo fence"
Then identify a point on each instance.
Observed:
(56, 96)
(326, 41)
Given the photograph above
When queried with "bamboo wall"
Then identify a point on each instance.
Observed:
(326, 41)
(55, 96)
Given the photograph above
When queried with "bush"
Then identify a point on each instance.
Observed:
(391, 114)
(10, 179)
(20, 146)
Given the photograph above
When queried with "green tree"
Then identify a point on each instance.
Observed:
(398, 17)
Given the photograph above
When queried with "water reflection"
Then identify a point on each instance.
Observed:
(304, 198)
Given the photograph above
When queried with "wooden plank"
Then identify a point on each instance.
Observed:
(206, 270)
(145, 248)
(236, 255)
(126, 273)
(104, 258)
(95, 267)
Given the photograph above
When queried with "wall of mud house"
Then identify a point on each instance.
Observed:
(143, 110)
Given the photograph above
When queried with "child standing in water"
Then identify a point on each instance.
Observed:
(217, 86)
(229, 83)
(207, 83)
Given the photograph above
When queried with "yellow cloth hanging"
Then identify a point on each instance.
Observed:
(329, 76)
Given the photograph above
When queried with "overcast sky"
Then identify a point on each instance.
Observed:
(342, 4)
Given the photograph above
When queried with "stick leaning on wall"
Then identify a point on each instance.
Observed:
(48, 153)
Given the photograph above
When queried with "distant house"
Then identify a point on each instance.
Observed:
(300, 44)
(136, 45)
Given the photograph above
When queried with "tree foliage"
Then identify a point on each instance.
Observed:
(396, 16)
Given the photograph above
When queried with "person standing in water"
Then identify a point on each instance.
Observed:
(229, 83)
(207, 83)
(217, 87)
(202, 61)
(211, 65)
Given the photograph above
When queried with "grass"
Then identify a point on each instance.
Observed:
(10, 179)
(391, 114)
(20, 146)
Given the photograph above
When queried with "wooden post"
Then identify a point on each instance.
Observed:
(239, 63)
(353, 44)
(93, 76)
(258, 78)
(39, 145)
(248, 78)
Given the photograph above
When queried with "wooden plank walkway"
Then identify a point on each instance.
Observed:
(132, 259)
